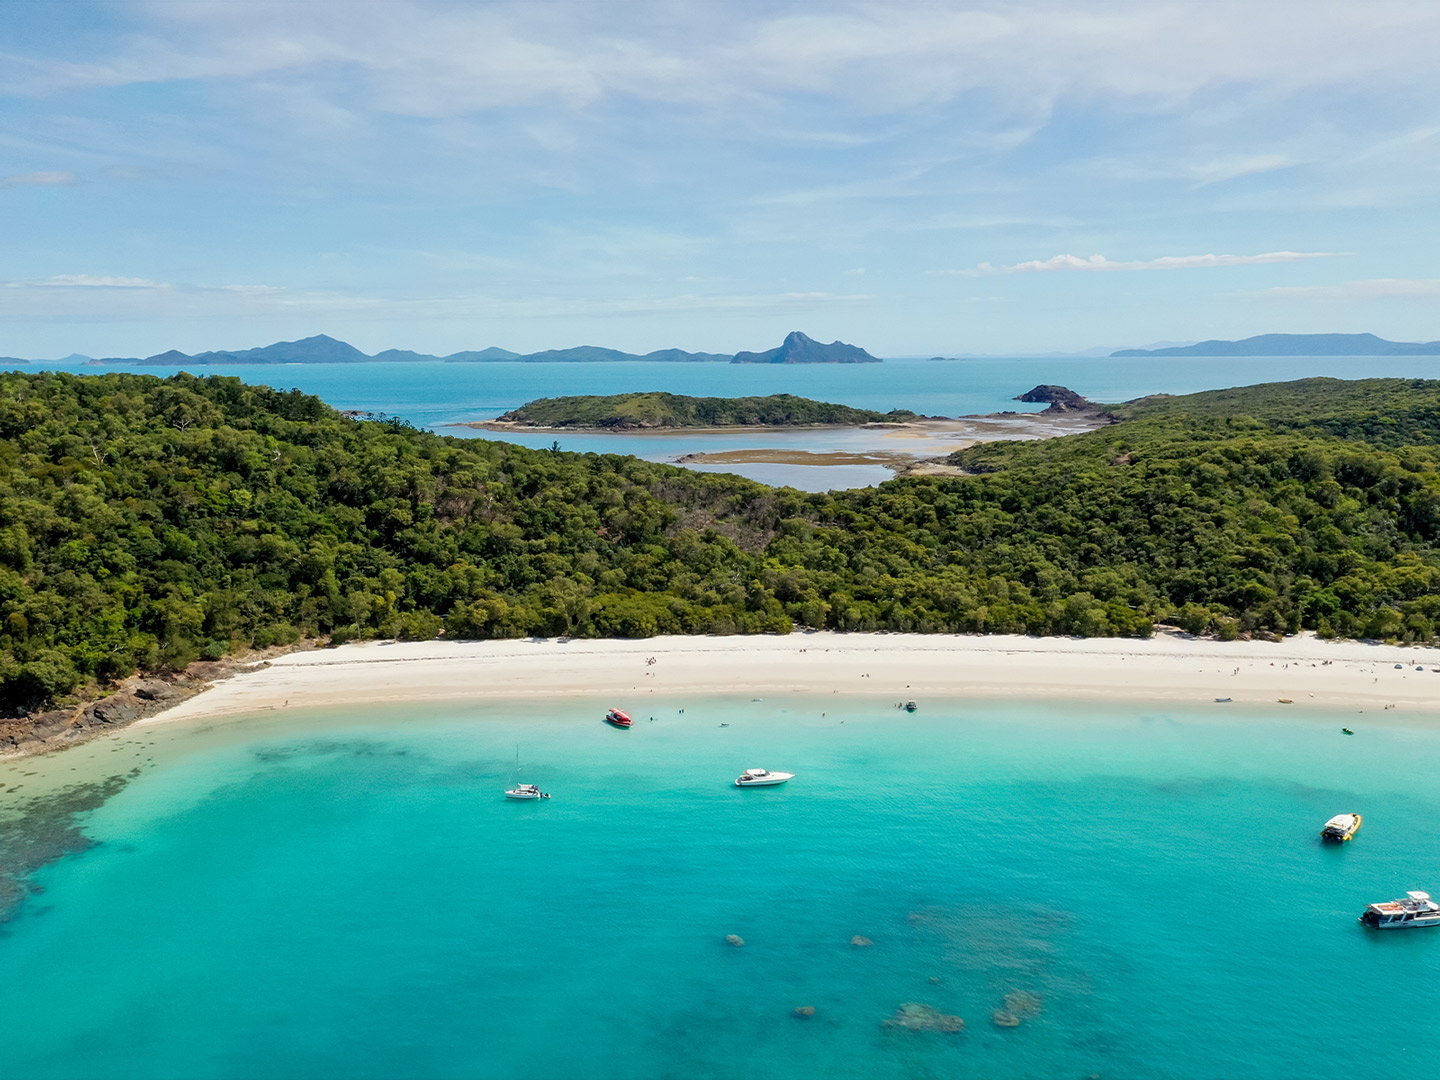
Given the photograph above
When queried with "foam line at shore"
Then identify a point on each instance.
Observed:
(893, 667)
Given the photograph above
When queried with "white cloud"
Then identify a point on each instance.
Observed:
(1165, 262)
(52, 178)
(1370, 289)
(87, 281)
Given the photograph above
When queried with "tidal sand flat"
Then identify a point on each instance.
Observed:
(344, 892)
(809, 456)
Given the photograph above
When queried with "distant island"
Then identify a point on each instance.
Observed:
(323, 349)
(659, 411)
(1297, 345)
(799, 349)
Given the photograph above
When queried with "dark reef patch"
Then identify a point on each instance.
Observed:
(39, 831)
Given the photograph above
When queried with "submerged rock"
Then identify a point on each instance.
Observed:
(861, 942)
(1023, 1003)
(805, 1010)
(1001, 1018)
(734, 939)
(915, 1016)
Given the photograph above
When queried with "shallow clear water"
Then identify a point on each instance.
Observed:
(435, 394)
(348, 894)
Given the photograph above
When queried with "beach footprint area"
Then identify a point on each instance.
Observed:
(997, 889)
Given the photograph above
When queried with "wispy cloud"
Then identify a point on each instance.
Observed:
(1370, 289)
(110, 281)
(52, 178)
(436, 59)
(1099, 263)
(95, 296)
(90, 281)
(1218, 172)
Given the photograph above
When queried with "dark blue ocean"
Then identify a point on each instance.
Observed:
(347, 894)
(435, 394)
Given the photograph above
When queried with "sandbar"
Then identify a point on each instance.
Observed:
(1170, 667)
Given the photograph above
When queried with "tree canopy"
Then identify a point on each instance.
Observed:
(659, 410)
(148, 522)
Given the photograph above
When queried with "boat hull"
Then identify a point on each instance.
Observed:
(771, 780)
(1413, 924)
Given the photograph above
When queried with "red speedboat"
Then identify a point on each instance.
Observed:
(618, 718)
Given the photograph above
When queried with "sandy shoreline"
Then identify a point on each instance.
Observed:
(891, 667)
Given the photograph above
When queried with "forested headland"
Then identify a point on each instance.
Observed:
(630, 412)
(148, 522)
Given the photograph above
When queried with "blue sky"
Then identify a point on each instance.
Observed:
(915, 177)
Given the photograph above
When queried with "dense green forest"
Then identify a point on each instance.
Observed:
(147, 522)
(657, 410)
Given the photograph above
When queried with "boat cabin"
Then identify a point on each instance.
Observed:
(1415, 909)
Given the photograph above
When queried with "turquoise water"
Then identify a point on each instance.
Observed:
(435, 394)
(347, 894)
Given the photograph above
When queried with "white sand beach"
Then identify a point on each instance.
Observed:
(891, 667)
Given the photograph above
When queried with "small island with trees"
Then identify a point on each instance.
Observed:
(660, 411)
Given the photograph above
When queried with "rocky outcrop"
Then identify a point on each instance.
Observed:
(734, 939)
(915, 1016)
(123, 703)
(1060, 398)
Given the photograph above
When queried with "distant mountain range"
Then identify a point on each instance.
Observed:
(1298, 345)
(322, 349)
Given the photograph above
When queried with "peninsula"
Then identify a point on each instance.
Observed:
(150, 524)
(660, 411)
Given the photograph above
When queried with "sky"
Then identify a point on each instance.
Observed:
(916, 177)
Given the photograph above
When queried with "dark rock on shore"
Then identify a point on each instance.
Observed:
(130, 700)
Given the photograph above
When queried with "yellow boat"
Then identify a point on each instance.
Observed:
(1341, 827)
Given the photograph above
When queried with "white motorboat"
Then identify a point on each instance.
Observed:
(525, 791)
(761, 778)
(1414, 910)
(1341, 827)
